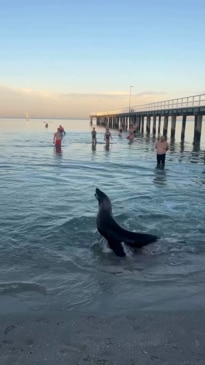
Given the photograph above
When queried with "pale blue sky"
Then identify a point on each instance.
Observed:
(69, 58)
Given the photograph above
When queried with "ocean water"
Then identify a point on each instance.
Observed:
(51, 255)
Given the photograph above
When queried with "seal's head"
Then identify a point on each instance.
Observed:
(103, 200)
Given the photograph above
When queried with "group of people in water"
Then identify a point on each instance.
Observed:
(107, 136)
(161, 146)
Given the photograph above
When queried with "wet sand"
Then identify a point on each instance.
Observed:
(145, 338)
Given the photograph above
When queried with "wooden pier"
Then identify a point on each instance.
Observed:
(165, 111)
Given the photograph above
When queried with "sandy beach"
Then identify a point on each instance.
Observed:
(75, 338)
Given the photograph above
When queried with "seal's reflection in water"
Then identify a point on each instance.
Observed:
(160, 177)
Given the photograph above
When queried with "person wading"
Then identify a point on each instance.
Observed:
(161, 149)
(57, 138)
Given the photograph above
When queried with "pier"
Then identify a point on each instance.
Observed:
(158, 115)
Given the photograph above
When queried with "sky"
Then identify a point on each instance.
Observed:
(68, 59)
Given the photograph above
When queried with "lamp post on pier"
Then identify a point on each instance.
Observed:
(129, 119)
(130, 98)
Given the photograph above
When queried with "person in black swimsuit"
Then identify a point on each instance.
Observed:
(93, 134)
(107, 136)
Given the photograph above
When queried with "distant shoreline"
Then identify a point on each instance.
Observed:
(43, 118)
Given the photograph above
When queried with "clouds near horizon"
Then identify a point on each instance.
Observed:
(16, 102)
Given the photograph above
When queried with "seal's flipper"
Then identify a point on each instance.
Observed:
(114, 244)
(132, 239)
(117, 247)
(142, 239)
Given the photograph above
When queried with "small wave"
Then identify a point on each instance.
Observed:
(21, 287)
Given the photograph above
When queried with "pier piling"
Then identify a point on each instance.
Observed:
(165, 125)
(183, 128)
(154, 125)
(148, 125)
(159, 125)
(197, 129)
(173, 126)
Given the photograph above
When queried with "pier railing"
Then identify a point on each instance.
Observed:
(188, 101)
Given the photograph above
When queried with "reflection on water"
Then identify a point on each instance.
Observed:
(182, 146)
(160, 177)
(196, 147)
(172, 146)
(58, 150)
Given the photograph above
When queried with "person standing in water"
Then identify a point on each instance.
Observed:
(94, 134)
(161, 148)
(107, 136)
(131, 135)
(57, 138)
(120, 132)
(61, 129)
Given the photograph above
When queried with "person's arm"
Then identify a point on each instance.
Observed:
(54, 137)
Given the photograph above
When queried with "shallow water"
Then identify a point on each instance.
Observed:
(52, 256)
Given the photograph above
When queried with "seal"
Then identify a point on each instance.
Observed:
(111, 230)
